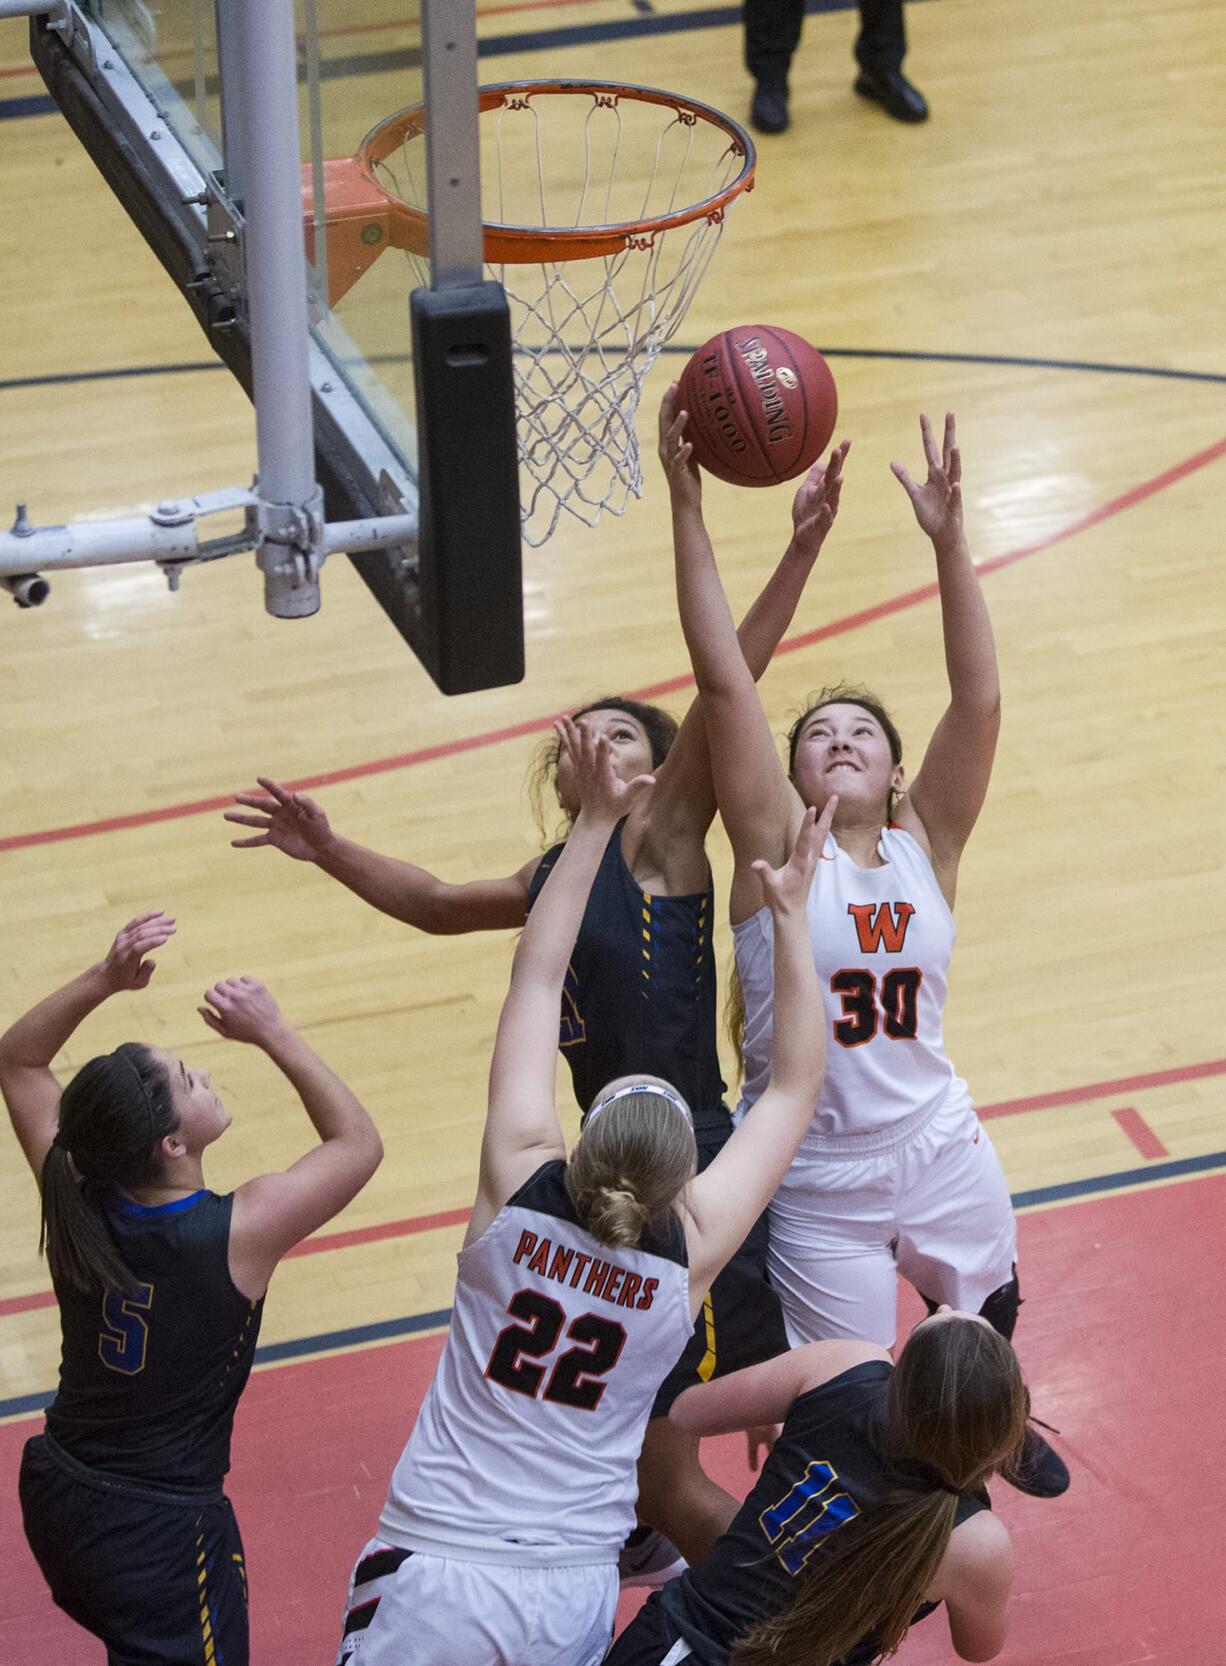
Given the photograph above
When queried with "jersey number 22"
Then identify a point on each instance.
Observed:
(572, 1382)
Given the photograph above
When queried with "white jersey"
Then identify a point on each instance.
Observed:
(882, 941)
(526, 1443)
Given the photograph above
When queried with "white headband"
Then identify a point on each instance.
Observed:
(655, 1088)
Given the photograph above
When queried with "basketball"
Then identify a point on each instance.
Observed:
(762, 405)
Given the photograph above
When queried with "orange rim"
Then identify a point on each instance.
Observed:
(510, 245)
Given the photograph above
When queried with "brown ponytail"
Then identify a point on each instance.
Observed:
(113, 1117)
(629, 1167)
(955, 1413)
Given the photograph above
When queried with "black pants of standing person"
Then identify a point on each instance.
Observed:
(772, 34)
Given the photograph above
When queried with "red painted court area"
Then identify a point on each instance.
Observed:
(1123, 1355)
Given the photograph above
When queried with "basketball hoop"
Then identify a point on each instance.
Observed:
(607, 202)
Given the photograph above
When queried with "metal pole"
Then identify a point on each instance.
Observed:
(290, 508)
(453, 150)
(274, 251)
(55, 10)
(228, 21)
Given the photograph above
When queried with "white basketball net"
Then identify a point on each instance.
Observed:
(587, 330)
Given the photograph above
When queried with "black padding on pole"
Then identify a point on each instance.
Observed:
(468, 485)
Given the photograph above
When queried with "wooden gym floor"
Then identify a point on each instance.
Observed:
(1045, 257)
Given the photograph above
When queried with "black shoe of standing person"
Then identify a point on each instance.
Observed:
(1039, 1470)
(769, 111)
(895, 94)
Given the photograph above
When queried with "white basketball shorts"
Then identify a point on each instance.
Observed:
(407, 1608)
(930, 1202)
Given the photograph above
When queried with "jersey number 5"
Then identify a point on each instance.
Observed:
(125, 1335)
(571, 1382)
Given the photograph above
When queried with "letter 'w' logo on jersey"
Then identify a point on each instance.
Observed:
(881, 925)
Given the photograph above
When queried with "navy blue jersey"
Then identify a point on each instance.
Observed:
(825, 1468)
(640, 989)
(149, 1378)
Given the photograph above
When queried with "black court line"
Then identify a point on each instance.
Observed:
(914, 355)
(305, 1346)
(501, 46)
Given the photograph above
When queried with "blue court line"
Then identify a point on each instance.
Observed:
(276, 1351)
(380, 1332)
(1151, 1174)
(1008, 360)
(69, 377)
(303, 1346)
(34, 104)
(500, 46)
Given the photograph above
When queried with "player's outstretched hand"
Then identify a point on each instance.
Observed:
(676, 452)
(241, 1009)
(125, 965)
(938, 502)
(785, 890)
(288, 821)
(816, 503)
(603, 796)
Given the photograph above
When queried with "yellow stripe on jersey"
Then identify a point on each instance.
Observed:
(706, 1366)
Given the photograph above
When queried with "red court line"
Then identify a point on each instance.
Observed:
(1007, 1107)
(1140, 1133)
(1106, 1090)
(370, 1234)
(27, 1304)
(654, 691)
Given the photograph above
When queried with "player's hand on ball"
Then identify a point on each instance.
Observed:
(938, 502)
(676, 452)
(125, 965)
(816, 503)
(241, 1009)
(288, 821)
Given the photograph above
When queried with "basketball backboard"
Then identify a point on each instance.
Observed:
(149, 88)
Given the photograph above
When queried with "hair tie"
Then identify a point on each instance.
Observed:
(58, 1139)
(144, 1093)
(922, 1477)
(653, 1088)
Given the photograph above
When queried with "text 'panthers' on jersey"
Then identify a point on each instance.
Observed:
(526, 1443)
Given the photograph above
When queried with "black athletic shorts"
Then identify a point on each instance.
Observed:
(651, 1639)
(740, 1323)
(157, 1575)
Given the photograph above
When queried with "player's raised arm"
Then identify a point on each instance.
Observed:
(522, 1128)
(684, 799)
(758, 804)
(295, 824)
(27, 1048)
(729, 1195)
(274, 1211)
(949, 789)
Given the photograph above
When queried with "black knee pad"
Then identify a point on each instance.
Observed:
(1000, 1309)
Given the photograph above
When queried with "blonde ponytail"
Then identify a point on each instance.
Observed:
(616, 1215)
(634, 1157)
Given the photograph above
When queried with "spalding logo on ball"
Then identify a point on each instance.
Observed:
(762, 405)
